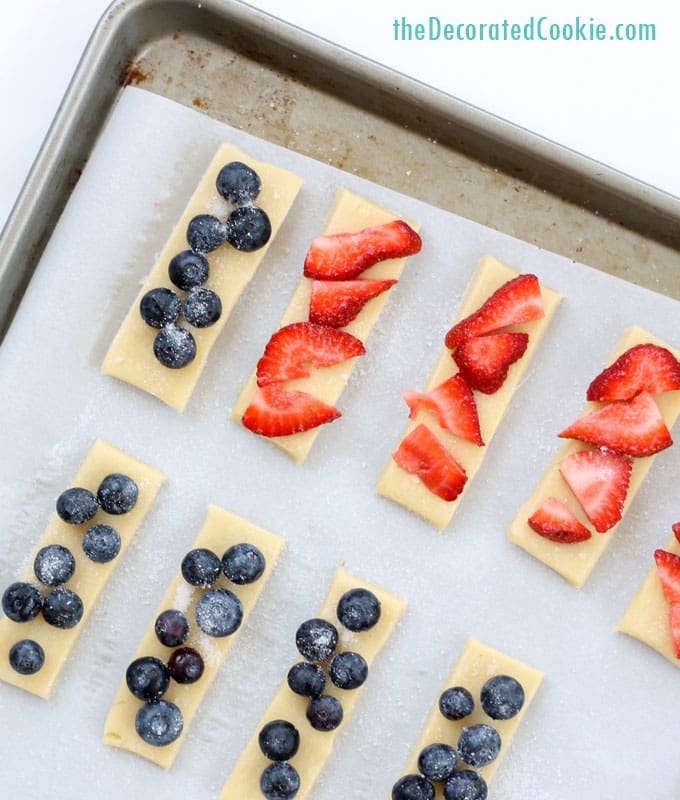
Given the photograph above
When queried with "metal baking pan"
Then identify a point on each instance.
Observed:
(260, 74)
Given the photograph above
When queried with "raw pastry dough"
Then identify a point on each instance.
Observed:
(220, 531)
(349, 213)
(315, 746)
(647, 618)
(89, 578)
(576, 561)
(408, 490)
(476, 665)
(130, 356)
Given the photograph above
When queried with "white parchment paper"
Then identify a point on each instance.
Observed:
(605, 724)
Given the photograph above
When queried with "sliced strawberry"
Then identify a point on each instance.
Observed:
(643, 368)
(599, 479)
(519, 300)
(422, 454)
(668, 567)
(337, 303)
(344, 256)
(554, 521)
(675, 627)
(274, 411)
(676, 530)
(293, 347)
(484, 361)
(453, 405)
(631, 427)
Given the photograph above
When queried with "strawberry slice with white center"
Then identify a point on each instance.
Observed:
(668, 567)
(643, 368)
(453, 405)
(293, 347)
(600, 480)
(676, 530)
(484, 361)
(274, 411)
(517, 301)
(422, 454)
(554, 521)
(337, 303)
(674, 621)
(631, 427)
(344, 256)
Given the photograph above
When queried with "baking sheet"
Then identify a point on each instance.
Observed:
(604, 724)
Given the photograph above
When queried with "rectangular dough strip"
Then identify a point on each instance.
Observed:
(316, 746)
(89, 578)
(408, 490)
(576, 561)
(349, 213)
(647, 618)
(221, 529)
(130, 357)
(477, 663)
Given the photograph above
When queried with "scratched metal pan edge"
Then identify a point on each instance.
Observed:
(130, 25)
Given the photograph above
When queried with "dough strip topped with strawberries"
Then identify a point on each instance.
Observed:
(348, 273)
(503, 318)
(593, 479)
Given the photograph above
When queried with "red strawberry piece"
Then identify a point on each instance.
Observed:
(676, 530)
(293, 347)
(599, 479)
(274, 411)
(554, 521)
(643, 368)
(337, 303)
(517, 301)
(453, 405)
(422, 454)
(484, 361)
(668, 567)
(675, 627)
(344, 256)
(631, 427)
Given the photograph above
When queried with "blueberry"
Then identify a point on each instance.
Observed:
(147, 678)
(437, 761)
(243, 563)
(172, 628)
(159, 723)
(358, 610)
(202, 307)
(502, 697)
(413, 787)
(201, 567)
(324, 713)
(206, 233)
(186, 665)
(306, 679)
(465, 785)
(279, 740)
(174, 347)
(316, 639)
(21, 602)
(238, 183)
(456, 703)
(160, 307)
(280, 781)
(26, 657)
(54, 565)
(188, 270)
(219, 612)
(77, 505)
(479, 745)
(348, 670)
(248, 228)
(101, 543)
(62, 608)
(117, 494)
